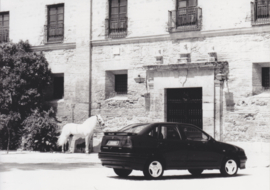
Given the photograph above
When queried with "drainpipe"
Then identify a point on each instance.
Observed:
(90, 61)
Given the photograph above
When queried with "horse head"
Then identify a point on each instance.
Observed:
(100, 120)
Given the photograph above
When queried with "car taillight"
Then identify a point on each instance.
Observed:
(128, 143)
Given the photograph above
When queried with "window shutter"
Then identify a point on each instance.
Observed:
(55, 28)
(106, 27)
(199, 17)
(169, 21)
(45, 34)
(174, 19)
(253, 17)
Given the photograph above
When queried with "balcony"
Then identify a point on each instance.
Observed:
(116, 28)
(260, 14)
(53, 33)
(185, 19)
(4, 35)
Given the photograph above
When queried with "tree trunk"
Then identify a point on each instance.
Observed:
(8, 140)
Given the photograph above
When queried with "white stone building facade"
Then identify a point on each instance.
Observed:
(217, 50)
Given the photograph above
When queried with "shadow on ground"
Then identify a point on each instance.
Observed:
(46, 166)
(177, 177)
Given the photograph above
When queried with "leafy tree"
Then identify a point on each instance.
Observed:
(40, 131)
(24, 75)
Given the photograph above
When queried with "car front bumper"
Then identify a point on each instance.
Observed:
(243, 160)
(122, 160)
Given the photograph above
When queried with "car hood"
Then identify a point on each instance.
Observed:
(228, 146)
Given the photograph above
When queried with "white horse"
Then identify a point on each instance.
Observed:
(84, 130)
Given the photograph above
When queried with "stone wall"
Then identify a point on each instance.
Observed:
(149, 18)
(244, 117)
(70, 58)
(28, 17)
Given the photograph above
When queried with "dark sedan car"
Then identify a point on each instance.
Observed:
(155, 147)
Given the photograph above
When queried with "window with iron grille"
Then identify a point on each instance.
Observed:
(116, 25)
(186, 12)
(260, 12)
(55, 27)
(4, 27)
(263, 8)
(58, 87)
(265, 77)
(121, 84)
(186, 17)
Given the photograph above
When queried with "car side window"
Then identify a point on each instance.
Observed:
(170, 133)
(194, 134)
(154, 133)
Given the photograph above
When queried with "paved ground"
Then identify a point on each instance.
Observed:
(27, 171)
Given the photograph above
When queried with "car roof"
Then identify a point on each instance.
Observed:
(158, 123)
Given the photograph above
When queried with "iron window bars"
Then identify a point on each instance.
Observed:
(186, 17)
(116, 24)
(4, 27)
(260, 12)
(54, 31)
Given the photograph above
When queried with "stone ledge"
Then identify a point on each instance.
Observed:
(183, 35)
(185, 65)
(54, 46)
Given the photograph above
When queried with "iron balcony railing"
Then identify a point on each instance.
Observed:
(260, 13)
(116, 28)
(4, 34)
(53, 32)
(185, 19)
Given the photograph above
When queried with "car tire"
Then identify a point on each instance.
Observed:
(195, 172)
(153, 169)
(229, 167)
(122, 172)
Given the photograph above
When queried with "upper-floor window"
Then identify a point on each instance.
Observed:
(266, 77)
(260, 12)
(186, 17)
(116, 25)
(55, 28)
(4, 26)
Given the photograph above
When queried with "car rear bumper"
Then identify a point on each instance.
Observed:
(122, 160)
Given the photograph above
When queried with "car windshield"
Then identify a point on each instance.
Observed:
(134, 128)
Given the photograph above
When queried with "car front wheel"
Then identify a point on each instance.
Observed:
(122, 172)
(229, 167)
(153, 170)
(195, 172)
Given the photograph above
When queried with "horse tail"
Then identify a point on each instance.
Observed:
(62, 139)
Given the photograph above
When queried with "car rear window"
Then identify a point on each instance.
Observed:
(134, 128)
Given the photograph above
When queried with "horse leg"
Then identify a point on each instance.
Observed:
(71, 143)
(87, 141)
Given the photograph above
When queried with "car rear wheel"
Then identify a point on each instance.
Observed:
(153, 170)
(229, 167)
(122, 172)
(195, 172)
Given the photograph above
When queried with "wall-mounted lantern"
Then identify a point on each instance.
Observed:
(212, 55)
(139, 79)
